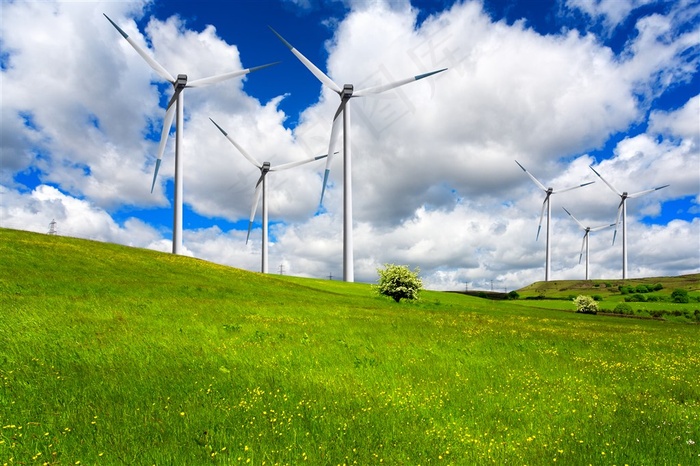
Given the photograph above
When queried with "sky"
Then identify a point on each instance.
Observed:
(558, 85)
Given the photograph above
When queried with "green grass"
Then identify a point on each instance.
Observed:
(113, 355)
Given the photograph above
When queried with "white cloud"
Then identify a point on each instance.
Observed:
(435, 184)
(34, 211)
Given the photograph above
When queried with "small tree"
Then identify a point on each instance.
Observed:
(398, 282)
(680, 296)
(586, 305)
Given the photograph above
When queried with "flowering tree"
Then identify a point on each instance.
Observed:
(586, 305)
(398, 282)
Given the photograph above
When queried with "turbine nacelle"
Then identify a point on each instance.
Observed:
(346, 93)
(180, 82)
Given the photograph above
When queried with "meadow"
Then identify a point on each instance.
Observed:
(116, 355)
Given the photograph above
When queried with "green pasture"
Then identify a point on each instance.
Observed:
(114, 355)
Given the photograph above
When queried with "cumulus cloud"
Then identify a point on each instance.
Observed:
(435, 182)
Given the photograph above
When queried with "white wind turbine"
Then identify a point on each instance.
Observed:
(622, 209)
(175, 105)
(261, 189)
(546, 203)
(346, 93)
(587, 230)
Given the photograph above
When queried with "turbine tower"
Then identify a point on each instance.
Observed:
(261, 188)
(175, 106)
(587, 230)
(622, 209)
(546, 203)
(346, 93)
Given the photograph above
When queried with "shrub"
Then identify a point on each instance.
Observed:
(624, 308)
(641, 289)
(635, 298)
(658, 287)
(680, 296)
(625, 289)
(597, 297)
(513, 295)
(586, 305)
(398, 282)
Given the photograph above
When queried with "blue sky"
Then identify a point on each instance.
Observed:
(558, 85)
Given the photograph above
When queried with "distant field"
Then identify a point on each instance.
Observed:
(115, 355)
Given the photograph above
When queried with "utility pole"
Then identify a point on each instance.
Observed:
(52, 227)
(281, 269)
(330, 276)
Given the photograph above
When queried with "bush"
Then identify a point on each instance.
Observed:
(597, 297)
(513, 295)
(624, 308)
(658, 287)
(625, 289)
(586, 305)
(680, 296)
(641, 289)
(398, 282)
(636, 298)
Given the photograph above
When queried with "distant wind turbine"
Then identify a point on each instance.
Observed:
(261, 189)
(587, 230)
(346, 93)
(622, 209)
(179, 85)
(546, 203)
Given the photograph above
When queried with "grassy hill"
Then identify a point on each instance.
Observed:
(116, 355)
(610, 288)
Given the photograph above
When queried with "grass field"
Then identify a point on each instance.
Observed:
(114, 355)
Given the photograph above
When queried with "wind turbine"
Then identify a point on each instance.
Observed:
(261, 189)
(346, 93)
(622, 208)
(546, 202)
(175, 106)
(587, 230)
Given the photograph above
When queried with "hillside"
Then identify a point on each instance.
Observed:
(116, 355)
(606, 288)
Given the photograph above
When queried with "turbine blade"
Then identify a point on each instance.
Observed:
(617, 220)
(583, 244)
(155, 174)
(573, 187)
(254, 207)
(286, 166)
(331, 146)
(575, 219)
(605, 181)
(157, 67)
(642, 193)
(167, 124)
(173, 99)
(602, 227)
(539, 226)
(250, 158)
(325, 181)
(320, 75)
(223, 77)
(386, 87)
(537, 182)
